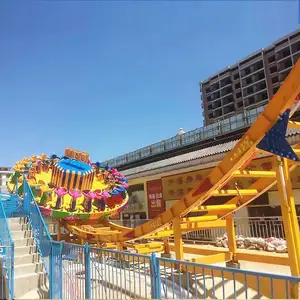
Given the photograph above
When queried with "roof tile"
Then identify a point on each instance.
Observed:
(217, 149)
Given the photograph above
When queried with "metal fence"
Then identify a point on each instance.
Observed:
(82, 272)
(264, 227)
(236, 122)
(6, 257)
(38, 226)
(187, 280)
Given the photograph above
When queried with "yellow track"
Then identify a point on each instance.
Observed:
(230, 167)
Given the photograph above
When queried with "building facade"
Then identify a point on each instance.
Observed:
(251, 82)
(5, 173)
(156, 186)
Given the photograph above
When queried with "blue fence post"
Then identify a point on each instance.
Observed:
(87, 265)
(155, 277)
(55, 270)
(26, 202)
(51, 272)
(61, 248)
(12, 274)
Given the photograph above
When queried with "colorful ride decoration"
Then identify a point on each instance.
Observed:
(71, 187)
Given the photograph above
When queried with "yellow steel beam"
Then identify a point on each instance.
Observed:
(288, 216)
(166, 246)
(292, 210)
(255, 174)
(231, 236)
(262, 185)
(244, 192)
(188, 227)
(178, 239)
(150, 250)
(242, 254)
(213, 259)
(223, 207)
(160, 234)
(203, 225)
(297, 151)
(148, 245)
(199, 219)
(293, 124)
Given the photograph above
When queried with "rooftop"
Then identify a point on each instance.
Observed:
(195, 156)
(250, 56)
(197, 136)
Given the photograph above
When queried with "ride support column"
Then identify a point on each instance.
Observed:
(233, 263)
(178, 239)
(289, 218)
(167, 250)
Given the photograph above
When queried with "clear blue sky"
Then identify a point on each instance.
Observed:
(111, 77)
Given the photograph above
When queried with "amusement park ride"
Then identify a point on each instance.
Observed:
(82, 195)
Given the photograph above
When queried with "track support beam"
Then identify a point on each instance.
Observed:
(179, 254)
(290, 222)
(233, 263)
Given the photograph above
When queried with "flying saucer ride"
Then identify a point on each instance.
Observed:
(71, 187)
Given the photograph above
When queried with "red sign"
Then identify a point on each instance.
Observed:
(156, 204)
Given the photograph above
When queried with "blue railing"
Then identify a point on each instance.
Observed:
(38, 226)
(8, 248)
(83, 272)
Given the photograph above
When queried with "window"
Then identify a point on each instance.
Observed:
(271, 59)
(296, 47)
(275, 79)
(273, 69)
(236, 76)
(275, 89)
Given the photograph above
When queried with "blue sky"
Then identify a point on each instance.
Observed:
(111, 77)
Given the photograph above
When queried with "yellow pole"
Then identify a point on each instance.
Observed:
(58, 232)
(288, 215)
(231, 242)
(178, 239)
(292, 210)
(167, 246)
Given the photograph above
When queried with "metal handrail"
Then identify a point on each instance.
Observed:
(39, 228)
(8, 241)
(235, 122)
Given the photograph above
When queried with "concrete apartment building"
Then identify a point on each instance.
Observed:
(250, 82)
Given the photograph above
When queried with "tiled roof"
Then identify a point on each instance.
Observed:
(213, 150)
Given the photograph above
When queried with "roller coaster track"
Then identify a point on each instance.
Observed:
(212, 212)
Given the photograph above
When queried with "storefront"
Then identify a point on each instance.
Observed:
(161, 193)
(137, 204)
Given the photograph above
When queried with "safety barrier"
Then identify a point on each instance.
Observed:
(6, 256)
(264, 227)
(83, 272)
(186, 280)
(38, 226)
